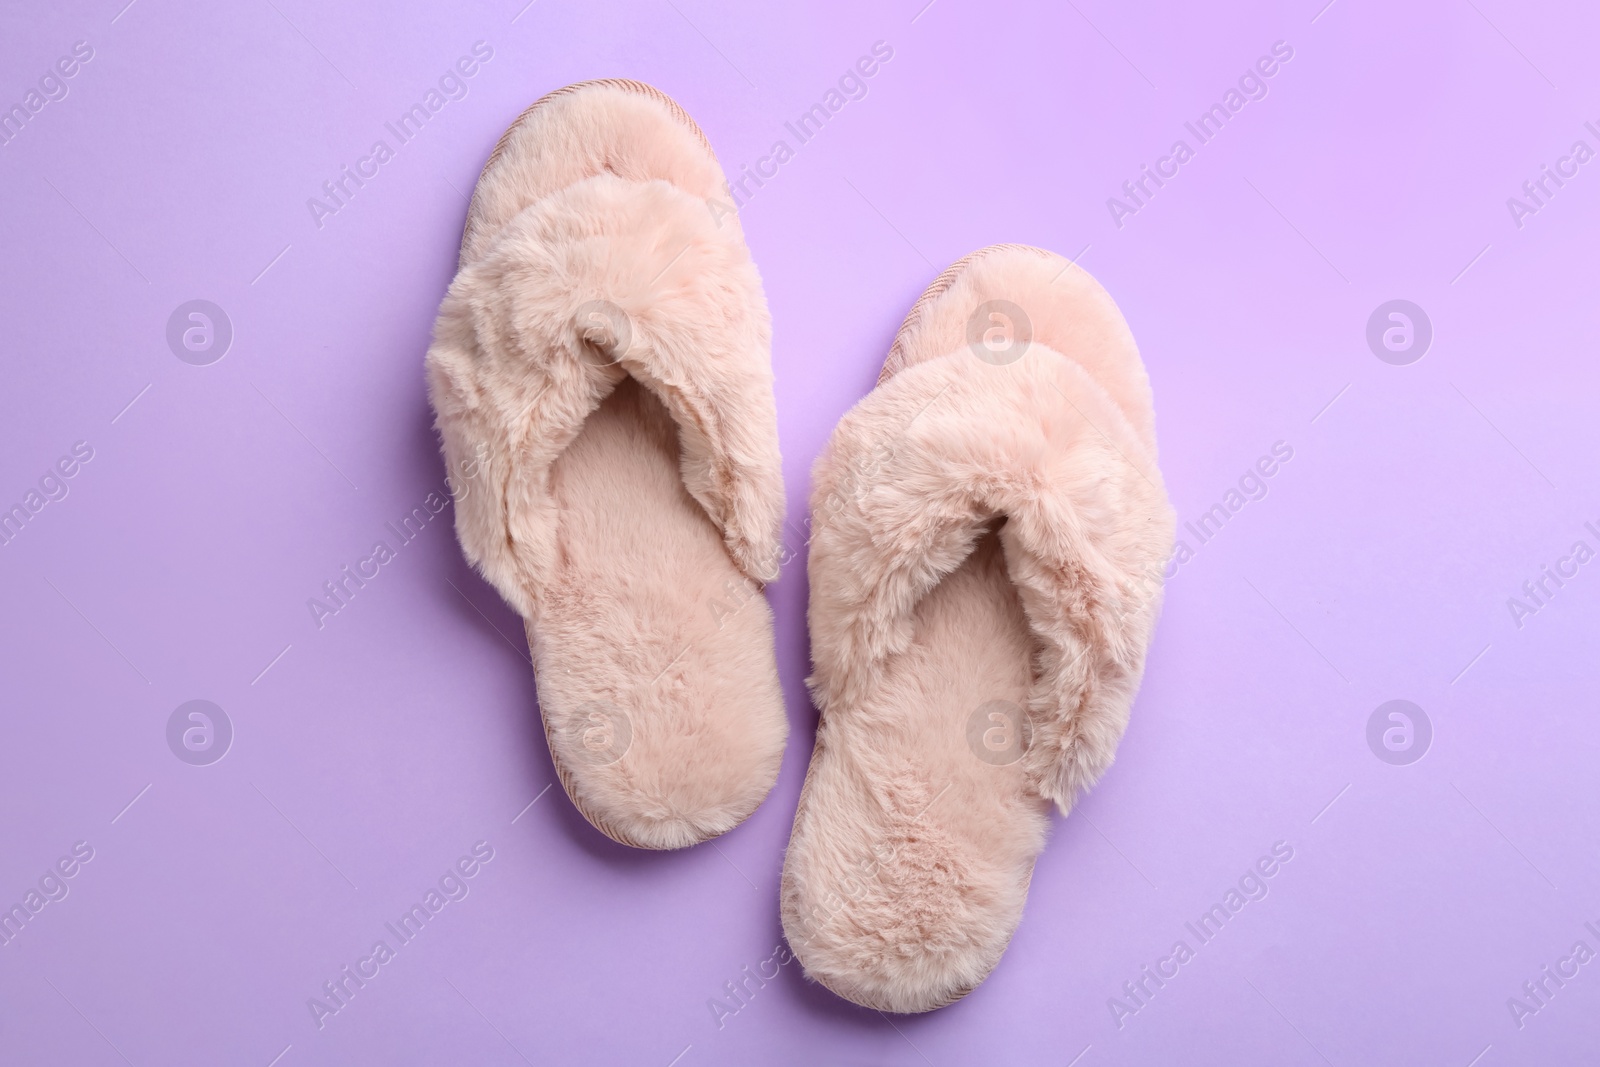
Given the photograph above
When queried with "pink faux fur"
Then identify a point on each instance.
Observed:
(984, 536)
(617, 477)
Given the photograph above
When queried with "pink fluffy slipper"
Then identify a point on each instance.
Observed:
(602, 380)
(989, 530)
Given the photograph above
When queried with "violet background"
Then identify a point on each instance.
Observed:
(375, 751)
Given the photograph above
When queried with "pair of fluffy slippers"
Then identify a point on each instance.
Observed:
(988, 528)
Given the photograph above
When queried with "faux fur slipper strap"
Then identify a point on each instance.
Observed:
(605, 278)
(1040, 444)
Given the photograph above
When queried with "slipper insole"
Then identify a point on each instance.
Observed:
(653, 652)
(935, 761)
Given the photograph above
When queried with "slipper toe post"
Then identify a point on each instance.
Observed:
(988, 535)
(602, 382)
